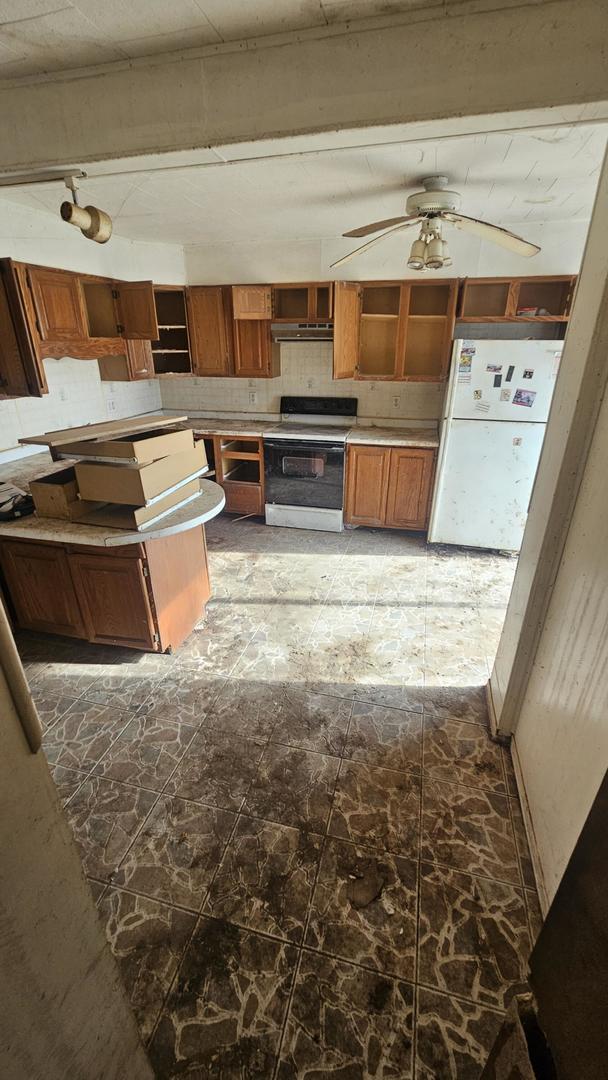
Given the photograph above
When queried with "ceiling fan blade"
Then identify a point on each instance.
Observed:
(370, 243)
(495, 233)
(375, 226)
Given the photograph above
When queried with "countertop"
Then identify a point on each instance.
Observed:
(376, 436)
(359, 435)
(201, 509)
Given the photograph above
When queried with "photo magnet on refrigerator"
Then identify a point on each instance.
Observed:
(497, 380)
(528, 373)
(510, 371)
(505, 395)
(476, 395)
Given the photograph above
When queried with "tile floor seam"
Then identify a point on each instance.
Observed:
(285, 1022)
(461, 997)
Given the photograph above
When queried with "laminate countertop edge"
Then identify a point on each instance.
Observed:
(203, 508)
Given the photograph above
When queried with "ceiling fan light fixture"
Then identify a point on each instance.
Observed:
(434, 253)
(417, 254)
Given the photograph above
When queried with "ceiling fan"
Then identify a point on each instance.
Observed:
(430, 209)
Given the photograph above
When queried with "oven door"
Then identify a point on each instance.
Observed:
(304, 473)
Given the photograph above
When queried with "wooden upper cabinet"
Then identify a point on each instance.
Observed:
(252, 301)
(532, 299)
(347, 314)
(303, 302)
(135, 310)
(366, 485)
(21, 372)
(255, 356)
(428, 314)
(139, 359)
(409, 489)
(58, 303)
(210, 328)
(392, 330)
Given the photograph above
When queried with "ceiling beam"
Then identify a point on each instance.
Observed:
(532, 56)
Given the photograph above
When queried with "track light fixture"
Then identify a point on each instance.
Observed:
(430, 251)
(93, 223)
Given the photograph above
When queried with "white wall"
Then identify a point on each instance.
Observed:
(562, 733)
(561, 244)
(76, 396)
(76, 393)
(306, 368)
(39, 237)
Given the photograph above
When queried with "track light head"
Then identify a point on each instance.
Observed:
(93, 223)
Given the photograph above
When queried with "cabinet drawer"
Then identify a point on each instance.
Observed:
(243, 498)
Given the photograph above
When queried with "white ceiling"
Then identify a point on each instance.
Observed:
(509, 179)
(41, 36)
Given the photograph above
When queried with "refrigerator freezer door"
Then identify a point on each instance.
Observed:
(503, 380)
(484, 483)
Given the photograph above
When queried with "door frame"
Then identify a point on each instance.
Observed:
(581, 384)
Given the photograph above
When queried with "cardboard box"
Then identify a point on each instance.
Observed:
(56, 496)
(137, 449)
(139, 485)
(141, 517)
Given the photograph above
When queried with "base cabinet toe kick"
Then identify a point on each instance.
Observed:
(146, 596)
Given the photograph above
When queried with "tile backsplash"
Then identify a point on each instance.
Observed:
(306, 368)
(76, 396)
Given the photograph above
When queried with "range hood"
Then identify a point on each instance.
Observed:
(302, 331)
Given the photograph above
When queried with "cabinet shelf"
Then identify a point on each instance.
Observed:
(182, 352)
(374, 315)
(171, 326)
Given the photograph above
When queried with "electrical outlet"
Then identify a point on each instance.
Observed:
(111, 405)
(63, 394)
(310, 384)
(372, 387)
(396, 401)
(253, 397)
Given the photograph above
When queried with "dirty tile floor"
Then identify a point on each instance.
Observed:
(306, 851)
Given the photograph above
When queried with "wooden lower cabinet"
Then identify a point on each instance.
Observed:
(367, 485)
(39, 583)
(114, 599)
(409, 488)
(144, 596)
(389, 487)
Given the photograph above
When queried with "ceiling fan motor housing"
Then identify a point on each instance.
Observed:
(434, 198)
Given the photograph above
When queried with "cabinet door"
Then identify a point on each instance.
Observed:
(59, 305)
(40, 586)
(252, 348)
(21, 372)
(347, 314)
(139, 359)
(136, 309)
(114, 599)
(252, 301)
(210, 329)
(366, 485)
(409, 488)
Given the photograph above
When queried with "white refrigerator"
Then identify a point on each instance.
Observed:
(492, 432)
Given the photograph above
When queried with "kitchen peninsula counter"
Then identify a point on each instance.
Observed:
(146, 590)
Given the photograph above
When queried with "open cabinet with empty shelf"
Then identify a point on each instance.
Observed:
(394, 330)
(171, 350)
(239, 464)
(303, 302)
(533, 299)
